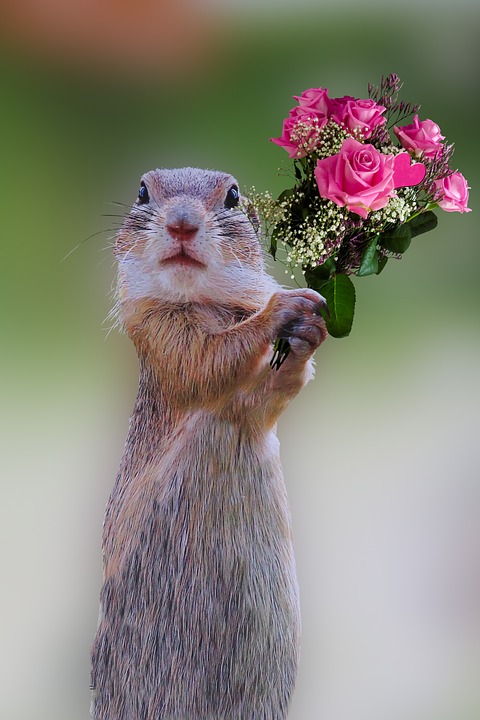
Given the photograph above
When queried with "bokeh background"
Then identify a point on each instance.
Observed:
(380, 452)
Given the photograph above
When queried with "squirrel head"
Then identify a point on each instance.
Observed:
(189, 238)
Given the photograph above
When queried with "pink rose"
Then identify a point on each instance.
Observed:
(452, 193)
(358, 177)
(364, 115)
(300, 132)
(423, 138)
(315, 100)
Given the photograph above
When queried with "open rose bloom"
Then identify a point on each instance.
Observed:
(452, 193)
(299, 133)
(423, 139)
(361, 178)
(360, 194)
(363, 115)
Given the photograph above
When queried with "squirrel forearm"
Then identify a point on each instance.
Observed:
(197, 363)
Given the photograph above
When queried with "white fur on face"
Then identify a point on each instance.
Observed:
(142, 280)
(143, 272)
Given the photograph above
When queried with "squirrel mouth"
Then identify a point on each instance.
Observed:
(184, 260)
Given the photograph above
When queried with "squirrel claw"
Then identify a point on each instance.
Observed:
(322, 305)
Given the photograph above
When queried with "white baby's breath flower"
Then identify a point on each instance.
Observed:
(315, 239)
(396, 212)
(331, 140)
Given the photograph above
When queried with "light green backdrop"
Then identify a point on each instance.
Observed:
(380, 452)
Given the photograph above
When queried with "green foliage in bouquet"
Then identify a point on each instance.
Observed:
(359, 196)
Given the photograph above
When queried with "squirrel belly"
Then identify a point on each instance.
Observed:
(199, 613)
(200, 617)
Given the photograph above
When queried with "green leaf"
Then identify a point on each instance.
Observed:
(422, 223)
(339, 292)
(273, 244)
(285, 194)
(397, 240)
(369, 264)
(318, 276)
(382, 261)
(303, 162)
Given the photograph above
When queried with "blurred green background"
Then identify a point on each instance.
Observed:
(380, 452)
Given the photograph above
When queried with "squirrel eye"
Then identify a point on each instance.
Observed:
(143, 194)
(232, 198)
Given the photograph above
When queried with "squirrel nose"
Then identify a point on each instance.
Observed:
(182, 230)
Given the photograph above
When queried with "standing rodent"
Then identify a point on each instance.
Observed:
(199, 616)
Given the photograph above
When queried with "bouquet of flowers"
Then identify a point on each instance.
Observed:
(359, 194)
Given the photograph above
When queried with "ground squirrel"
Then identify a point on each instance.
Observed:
(199, 615)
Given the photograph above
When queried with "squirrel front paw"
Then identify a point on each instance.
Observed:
(296, 318)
